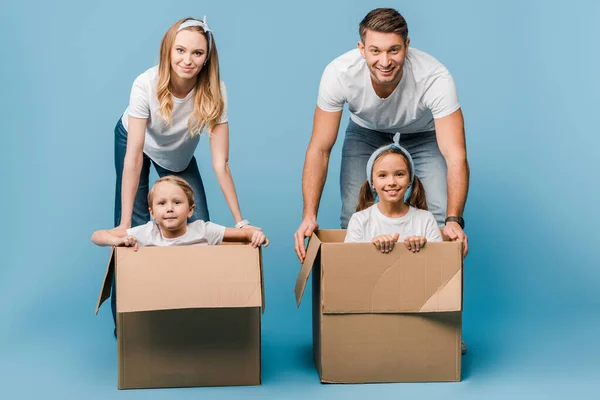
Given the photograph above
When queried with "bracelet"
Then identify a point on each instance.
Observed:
(242, 223)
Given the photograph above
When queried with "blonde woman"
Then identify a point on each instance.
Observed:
(170, 105)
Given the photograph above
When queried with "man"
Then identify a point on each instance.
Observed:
(389, 88)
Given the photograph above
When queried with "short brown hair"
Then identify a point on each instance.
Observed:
(386, 20)
(182, 183)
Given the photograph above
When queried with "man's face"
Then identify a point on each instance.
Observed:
(385, 54)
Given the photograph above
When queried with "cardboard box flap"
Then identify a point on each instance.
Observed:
(360, 279)
(312, 250)
(178, 277)
(332, 235)
(108, 279)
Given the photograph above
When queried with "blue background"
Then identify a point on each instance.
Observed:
(527, 74)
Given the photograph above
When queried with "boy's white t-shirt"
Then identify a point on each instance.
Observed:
(198, 233)
(366, 224)
(426, 91)
(170, 146)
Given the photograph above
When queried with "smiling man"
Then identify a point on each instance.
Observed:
(389, 87)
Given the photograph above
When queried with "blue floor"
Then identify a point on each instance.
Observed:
(550, 356)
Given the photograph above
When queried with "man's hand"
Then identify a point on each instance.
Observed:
(454, 232)
(306, 229)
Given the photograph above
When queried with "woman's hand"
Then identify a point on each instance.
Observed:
(385, 243)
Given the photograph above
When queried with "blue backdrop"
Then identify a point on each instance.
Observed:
(527, 75)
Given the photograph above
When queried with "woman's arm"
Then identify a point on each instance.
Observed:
(219, 148)
(132, 166)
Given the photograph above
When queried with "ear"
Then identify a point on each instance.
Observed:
(191, 212)
(151, 213)
(361, 47)
(407, 43)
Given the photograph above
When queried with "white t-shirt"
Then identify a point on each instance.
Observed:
(426, 91)
(170, 146)
(199, 233)
(366, 224)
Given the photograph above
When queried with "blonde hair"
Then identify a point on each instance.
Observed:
(208, 99)
(182, 183)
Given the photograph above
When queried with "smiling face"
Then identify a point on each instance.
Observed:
(170, 208)
(384, 54)
(188, 53)
(391, 177)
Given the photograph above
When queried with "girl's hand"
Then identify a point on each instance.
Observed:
(127, 241)
(385, 243)
(258, 238)
(415, 243)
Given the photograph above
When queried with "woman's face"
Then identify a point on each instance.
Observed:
(188, 54)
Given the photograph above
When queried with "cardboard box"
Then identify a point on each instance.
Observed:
(393, 317)
(187, 316)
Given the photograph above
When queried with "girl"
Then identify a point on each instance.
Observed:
(390, 173)
(171, 201)
(171, 204)
(170, 106)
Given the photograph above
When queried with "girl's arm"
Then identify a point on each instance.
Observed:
(113, 237)
(254, 236)
(134, 157)
(219, 148)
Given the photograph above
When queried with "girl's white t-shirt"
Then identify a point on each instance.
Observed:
(169, 145)
(198, 233)
(366, 224)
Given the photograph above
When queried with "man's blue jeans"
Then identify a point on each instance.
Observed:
(430, 167)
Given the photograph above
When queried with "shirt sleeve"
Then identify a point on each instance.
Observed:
(213, 233)
(355, 231)
(139, 104)
(441, 97)
(143, 233)
(224, 115)
(432, 233)
(331, 96)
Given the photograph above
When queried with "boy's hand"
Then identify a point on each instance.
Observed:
(385, 243)
(258, 238)
(127, 241)
(415, 243)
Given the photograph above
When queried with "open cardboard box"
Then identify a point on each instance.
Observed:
(187, 315)
(393, 317)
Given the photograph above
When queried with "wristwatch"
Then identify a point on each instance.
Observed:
(459, 220)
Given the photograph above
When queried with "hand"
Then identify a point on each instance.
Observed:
(454, 232)
(415, 243)
(127, 241)
(306, 229)
(385, 243)
(258, 238)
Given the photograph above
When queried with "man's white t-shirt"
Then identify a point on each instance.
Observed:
(369, 223)
(199, 233)
(169, 145)
(426, 91)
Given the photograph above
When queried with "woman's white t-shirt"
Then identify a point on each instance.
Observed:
(169, 145)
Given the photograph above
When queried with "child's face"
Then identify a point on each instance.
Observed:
(170, 207)
(391, 177)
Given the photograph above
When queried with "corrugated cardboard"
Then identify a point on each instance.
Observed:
(393, 317)
(187, 316)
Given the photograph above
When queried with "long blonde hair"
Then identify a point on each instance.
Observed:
(208, 99)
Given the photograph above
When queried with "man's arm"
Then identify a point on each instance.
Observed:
(324, 134)
(450, 134)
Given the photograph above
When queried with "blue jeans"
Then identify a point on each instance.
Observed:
(430, 167)
(141, 215)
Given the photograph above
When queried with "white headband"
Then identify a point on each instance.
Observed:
(202, 24)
